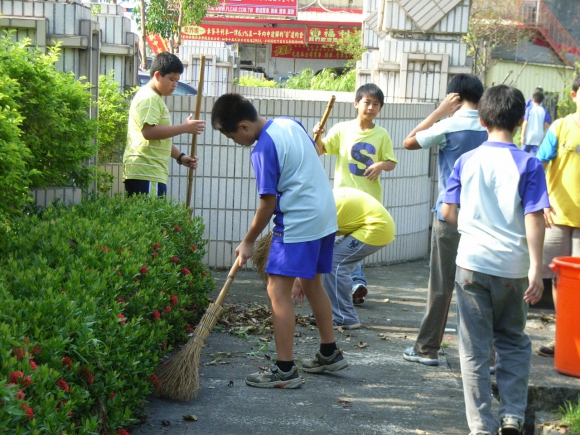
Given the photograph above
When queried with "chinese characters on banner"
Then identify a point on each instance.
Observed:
(281, 8)
(256, 35)
(157, 43)
(326, 35)
(306, 52)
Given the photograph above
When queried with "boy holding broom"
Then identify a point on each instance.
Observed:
(293, 187)
(363, 151)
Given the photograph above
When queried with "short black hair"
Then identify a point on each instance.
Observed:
(538, 97)
(576, 84)
(166, 63)
(371, 90)
(231, 109)
(502, 107)
(467, 86)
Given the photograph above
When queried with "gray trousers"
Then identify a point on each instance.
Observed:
(338, 283)
(444, 243)
(492, 311)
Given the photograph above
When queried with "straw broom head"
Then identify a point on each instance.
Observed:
(261, 253)
(179, 377)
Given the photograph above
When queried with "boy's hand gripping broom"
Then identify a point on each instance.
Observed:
(179, 378)
(262, 246)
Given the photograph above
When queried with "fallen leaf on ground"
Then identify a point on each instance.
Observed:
(190, 417)
(362, 344)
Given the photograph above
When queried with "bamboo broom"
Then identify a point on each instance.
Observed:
(196, 117)
(262, 246)
(179, 378)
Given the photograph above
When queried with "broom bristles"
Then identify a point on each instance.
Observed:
(261, 253)
(179, 377)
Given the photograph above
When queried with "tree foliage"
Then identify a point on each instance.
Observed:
(351, 46)
(492, 24)
(168, 18)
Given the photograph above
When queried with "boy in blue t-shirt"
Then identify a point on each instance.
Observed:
(293, 186)
(454, 136)
(501, 191)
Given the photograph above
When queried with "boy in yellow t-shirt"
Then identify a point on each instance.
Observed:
(363, 151)
(149, 146)
(367, 227)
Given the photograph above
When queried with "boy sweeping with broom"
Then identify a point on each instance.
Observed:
(293, 187)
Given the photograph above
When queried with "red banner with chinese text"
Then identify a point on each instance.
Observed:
(280, 8)
(326, 35)
(305, 52)
(256, 35)
(157, 43)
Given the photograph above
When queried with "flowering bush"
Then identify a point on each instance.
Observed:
(92, 299)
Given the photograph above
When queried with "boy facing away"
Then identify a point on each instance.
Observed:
(501, 191)
(454, 136)
(536, 122)
(149, 146)
(363, 151)
(293, 186)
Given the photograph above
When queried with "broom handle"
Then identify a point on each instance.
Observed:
(325, 117)
(196, 117)
(228, 283)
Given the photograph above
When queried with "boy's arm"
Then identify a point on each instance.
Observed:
(187, 161)
(523, 135)
(160, 132)
(318, 131)
(449, 106)
(450, 213)
(373, 172)
(535, 230)
(263, 215)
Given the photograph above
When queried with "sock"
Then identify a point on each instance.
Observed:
(327, 349)
(285, 366)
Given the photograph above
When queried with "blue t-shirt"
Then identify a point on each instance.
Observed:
(496, 185)
(455, 135)
(536, 116)
(287, 165)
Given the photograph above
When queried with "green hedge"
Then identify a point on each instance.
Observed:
(93, 296)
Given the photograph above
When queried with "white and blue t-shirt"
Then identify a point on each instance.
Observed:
(455, 135)
(496, 185)
(287, 165)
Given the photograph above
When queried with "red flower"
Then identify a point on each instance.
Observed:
(112, 395)
(36, 350)
(28, 410)
(155, 315)
(121, 300)
(122, 432)
(155, 254)
(155, 380)
(15, 376)
(157, 246)
(26, 381)
(66, 361)
(188, 328)
(143, 270)
(176, 228)
(185, 271)
(203, 273)
(175, 259)
(33, 365)
(61, 383)
(19, 353)
(87, 375)
(105, 249)
(137, 279)
(122, 319)
(167, 309)
(194, 247)
(20, 395)
(174, 300)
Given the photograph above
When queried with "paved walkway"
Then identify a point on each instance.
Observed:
(380, 393)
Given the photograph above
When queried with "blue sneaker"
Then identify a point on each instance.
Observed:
(411, 355)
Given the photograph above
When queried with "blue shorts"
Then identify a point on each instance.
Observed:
(152, 188)
(301, 260)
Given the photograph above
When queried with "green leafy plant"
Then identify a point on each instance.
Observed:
(113, 118)
(571, 416)
(327, 80)
(94, 295)
(351, 46)
(254, 82)
(53, 110)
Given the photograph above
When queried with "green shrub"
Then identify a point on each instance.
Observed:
(254, 82)
(54, 109)
(113, 119)
(93, 296)
(327, 80)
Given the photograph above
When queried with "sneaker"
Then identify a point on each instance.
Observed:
(343, 326)
(510, 426)
(546, 349)
(358, 295)
(492, 370)
(321, 363)
(410, 355)
(275, 378)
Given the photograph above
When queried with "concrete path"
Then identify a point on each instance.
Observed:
(379, 393)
